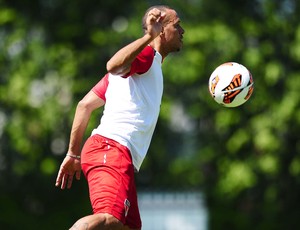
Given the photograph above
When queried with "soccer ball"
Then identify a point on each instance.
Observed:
(231, 84)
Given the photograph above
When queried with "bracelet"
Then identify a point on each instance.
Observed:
(73, 156)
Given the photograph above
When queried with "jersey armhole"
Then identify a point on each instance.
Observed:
(142, 62)
(100, 88)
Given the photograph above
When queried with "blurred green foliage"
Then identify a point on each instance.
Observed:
(246, 160)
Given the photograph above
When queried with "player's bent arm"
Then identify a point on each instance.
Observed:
(120, 63)
(82, 116)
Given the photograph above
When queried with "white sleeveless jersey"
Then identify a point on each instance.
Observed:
(132, 107)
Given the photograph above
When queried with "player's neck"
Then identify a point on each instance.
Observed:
(155, 44)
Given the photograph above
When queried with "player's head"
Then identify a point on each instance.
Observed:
(172, 32)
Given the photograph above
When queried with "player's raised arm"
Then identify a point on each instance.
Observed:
(120, 63)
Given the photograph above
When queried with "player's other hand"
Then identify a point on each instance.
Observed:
(69, 168)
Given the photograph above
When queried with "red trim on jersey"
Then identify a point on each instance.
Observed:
(140, 65)
(100, 88)
(142, 62)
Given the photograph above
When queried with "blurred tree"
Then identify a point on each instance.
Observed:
(246, 160)
(52, 52)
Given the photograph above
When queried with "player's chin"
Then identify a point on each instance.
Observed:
(179, 47)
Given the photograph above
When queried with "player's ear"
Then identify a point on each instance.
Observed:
(162, 31)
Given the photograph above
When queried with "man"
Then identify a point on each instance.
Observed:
(131, 92)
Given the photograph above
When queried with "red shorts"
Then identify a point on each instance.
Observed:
(108, 168)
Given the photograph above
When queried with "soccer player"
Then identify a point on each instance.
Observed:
(131, 94)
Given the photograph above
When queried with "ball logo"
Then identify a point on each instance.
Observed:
(213, 85)
(251, 88)
(230, 94)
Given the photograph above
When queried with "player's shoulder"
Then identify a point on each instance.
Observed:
(148, 52)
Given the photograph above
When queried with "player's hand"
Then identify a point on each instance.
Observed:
(154, 22)
(69, 168)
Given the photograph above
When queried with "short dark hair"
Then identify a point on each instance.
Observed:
(162, 8)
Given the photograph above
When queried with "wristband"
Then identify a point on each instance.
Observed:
(73, 156)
